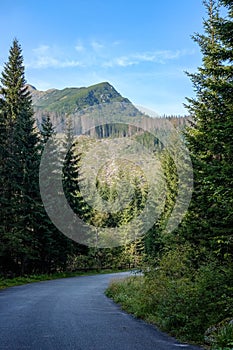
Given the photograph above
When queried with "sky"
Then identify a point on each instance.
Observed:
(141, 47)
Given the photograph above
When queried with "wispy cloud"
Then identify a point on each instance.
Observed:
(160, 56)
(96, 45)
(45, 57)
(93, 55)
(51, 62)
(79, 47)
(41, 50)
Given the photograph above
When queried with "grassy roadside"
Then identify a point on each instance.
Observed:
(194, 305)
(150, 302)
(128, 292)
(132, 296)
(11, 282)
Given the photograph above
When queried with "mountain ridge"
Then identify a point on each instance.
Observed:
(78, 102)
(98, 93)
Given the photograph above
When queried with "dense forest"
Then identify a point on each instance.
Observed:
(187, 286)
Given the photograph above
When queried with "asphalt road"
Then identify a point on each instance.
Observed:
(73, 313)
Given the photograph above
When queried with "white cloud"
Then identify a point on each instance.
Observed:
(122, 61)
(41, 50)
(45, 62)
(70, 63)
(157, 56)
(160, 56)
(48, 57)
(79, 47)
(96, 46)
(51, 62)
(45, 56)
(116, 43)
(125, 61)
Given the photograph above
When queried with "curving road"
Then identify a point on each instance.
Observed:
(73, 313)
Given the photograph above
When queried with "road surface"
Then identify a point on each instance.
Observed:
(73, 313)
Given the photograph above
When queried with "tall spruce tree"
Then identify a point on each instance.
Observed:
(209, 221)
(53, 245)
(47, 130)
(20, 167)
(46, 230)
(225, 32)
(71, 182)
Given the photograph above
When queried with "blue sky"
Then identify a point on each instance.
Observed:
(141, 47)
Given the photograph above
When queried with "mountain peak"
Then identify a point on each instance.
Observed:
(73, 100)
(31, 87)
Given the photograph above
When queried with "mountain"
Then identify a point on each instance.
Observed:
(70, 100)
(78, 103)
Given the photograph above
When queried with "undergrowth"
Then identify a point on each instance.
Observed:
(180, 300)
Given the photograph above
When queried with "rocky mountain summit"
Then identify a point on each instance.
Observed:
(100, 100)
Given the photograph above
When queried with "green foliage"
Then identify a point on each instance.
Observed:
(129, 293)
(19, 168)
(156, 239)
(179, 299)
(111, 178)
(188, 285)
(54, 248)
(209, 138)
(189, 302)
(69, 100)
(30, 242)
(223, 339)
(220, 336)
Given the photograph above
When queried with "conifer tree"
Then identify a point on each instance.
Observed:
(46, 230)
(55, 247)
(71, 182)
(21, 162)
(46, 129)
(209, 221)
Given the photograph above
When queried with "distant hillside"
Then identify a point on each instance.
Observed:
(86, 106)
(71, 100)
(78, 102)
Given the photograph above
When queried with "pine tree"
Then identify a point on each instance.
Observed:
(224, 192)
(47, 129)
(46, 230)
(3, 188)
(209, 222)
(157, 239)
(54, 247)
(71, 182)
(21, 163)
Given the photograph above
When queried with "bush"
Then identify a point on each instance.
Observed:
(181, 300)
(188, 301)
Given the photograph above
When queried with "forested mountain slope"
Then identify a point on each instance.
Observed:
(100, 100)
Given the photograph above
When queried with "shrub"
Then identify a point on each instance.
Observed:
(187, 301)
(181, 300)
